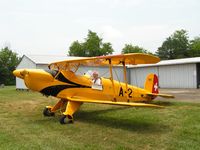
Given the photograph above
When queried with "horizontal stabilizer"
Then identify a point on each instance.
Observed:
(161, 95)
(79, 99)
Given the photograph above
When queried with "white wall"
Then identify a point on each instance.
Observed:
(24, 64)
(42, 66)
(138, 75)
(178, 76)
(171, 76)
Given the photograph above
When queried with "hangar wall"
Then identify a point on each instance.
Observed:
(178, 76)
(25, 63)
(170, 76)
(138, 75)
(42, 66)
(198, 75)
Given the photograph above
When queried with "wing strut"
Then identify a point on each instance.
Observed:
(111, 74)
(125, 80)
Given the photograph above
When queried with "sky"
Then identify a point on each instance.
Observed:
(50, 26)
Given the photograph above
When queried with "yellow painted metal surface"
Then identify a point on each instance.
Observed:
(72, 107)
(131, 58)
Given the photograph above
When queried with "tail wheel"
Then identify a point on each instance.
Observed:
(47, 112)
(66, 119)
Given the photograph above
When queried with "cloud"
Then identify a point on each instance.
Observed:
(111, 33)
(147, 36)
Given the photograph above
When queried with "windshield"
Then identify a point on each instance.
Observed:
(52, 72)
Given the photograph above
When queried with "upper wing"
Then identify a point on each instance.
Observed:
(132, 58)
(79, 99)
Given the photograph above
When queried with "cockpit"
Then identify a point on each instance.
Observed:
(96, 81)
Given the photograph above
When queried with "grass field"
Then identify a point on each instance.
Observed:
(22, 125)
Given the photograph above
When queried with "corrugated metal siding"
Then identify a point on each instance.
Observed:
(171, 76)
(178, 76)
(198, 75)
(42, 66)
(25, 63)
(138, 75)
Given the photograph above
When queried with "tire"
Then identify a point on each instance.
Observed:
(65, 119)
(47, 112)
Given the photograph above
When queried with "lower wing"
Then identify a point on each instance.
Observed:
(81, 99)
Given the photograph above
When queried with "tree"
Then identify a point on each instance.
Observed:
(195, 47)
(8, 62)
(175, 46)
(92, 46)
(106, 49)
(76, 49)
(129, 48)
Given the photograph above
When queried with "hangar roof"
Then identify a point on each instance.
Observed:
(47, 59)
(171, 62)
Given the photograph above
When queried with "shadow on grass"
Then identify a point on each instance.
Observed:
(137, 124)
(163, 103)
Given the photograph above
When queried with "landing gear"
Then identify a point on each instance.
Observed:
(67, 108)
(47, 112)
(66, 119)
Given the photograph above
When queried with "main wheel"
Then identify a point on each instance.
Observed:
(47, 112)
(66, 119)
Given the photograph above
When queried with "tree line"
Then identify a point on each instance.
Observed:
(8, 62)
(175, 46)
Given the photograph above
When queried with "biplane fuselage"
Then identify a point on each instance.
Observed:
(61, 81)
(67, 84)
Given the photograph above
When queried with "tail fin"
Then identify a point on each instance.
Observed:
(151, 83)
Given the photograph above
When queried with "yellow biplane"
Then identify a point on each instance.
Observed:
(73, 90)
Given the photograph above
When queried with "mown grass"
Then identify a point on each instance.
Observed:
(22, 125)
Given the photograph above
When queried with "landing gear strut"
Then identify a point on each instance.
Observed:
(68, 108)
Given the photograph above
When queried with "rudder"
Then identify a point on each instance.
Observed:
(151, 83)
